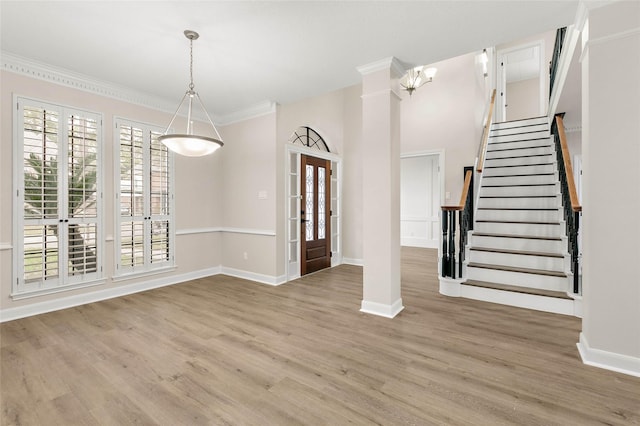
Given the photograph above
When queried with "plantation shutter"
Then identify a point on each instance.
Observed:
(59, 196)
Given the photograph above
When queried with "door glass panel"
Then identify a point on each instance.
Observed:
(82, 248)
(309, 208)
(40, 252)
(321, 202)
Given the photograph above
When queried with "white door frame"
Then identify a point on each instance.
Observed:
(502, 78)
(292, 268)
(441, 174)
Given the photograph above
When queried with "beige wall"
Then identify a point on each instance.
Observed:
(611, 173)
(197, 191)
(447, 115)
(248, 200)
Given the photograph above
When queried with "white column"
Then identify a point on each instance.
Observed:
(381, 188)
(610, 336)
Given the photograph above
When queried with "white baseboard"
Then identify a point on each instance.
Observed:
(37, 308)
(351, 261)
(608, 360)
(380, 309)
(252, 276)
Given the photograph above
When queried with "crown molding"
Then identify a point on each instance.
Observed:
(391, 63)
(64, 77)
(257, 110)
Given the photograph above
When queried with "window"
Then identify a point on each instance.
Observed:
(58, 185)
(144, 199)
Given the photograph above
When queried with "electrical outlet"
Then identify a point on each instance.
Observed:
(245, 255)
(447, 195)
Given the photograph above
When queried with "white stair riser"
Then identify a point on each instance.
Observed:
(517, 260)
(508, 153)
(506, 191)
(543, 282)
(519, 215)
(528, 229)
(520, 161)
(523, 129)
(530, 244)
(520, 203)
(519, 180)
(519, 123)
(519, 137)
(493, 145)
(536, 169)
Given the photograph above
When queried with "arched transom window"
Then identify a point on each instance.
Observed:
(308, 137)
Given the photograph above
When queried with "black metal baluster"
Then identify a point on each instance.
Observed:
(445, 250)
(452, 244)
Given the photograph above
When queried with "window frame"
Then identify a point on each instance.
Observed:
(147, 267)
(64, 281)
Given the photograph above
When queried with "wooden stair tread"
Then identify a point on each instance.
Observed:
(518, 289)
(521, 175)
(518, 196)
(516, 185)
(515, 269)
(518, 209)
(518, 165)
(522, 252)
(527, 222)
(529, 237)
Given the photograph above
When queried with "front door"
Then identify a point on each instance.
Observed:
(315, 214)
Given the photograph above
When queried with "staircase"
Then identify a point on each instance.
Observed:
(517, 252)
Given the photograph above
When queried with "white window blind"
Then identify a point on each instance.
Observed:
(145, 232)
(58, 237)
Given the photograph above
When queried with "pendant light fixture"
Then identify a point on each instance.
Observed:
(416, 77)
(189, 143)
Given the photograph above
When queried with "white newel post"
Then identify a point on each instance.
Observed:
(381, 187)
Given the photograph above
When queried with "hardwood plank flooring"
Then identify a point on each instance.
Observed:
(221, 350)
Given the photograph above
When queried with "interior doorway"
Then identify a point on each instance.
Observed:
(521, 82)
(420, 199)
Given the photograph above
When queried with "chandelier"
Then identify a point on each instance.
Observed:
(189, 143)
(416, 77)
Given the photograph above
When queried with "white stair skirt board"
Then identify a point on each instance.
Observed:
(519, 170)
(519, 215)
(520, 300)
(512, 243)
(518, 152)
(521, 190)
(450, 286)
(519, 161)
(520, 123)
(521, 229)
(551, 262)
(521, 129)
(517, 202)
(543, 135)
(608, 360)
(382, 310)
(520, 279)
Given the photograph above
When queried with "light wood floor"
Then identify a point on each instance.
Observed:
(221, 350)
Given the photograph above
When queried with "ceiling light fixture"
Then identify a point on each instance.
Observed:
(188, 143)
(416, 77)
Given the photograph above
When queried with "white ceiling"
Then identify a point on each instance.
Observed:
(251, 52)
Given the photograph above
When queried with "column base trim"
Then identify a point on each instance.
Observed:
(608, 360)
(382, 310)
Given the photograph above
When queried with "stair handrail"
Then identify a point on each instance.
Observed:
(482, 149)
(571, 203)
(465, 216)
(555, 59)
